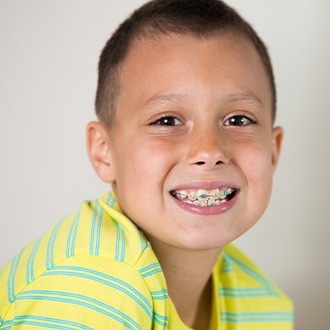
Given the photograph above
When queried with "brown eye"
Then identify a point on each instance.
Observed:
(167, 121)
(238, 121)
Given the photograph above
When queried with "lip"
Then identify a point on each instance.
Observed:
(208, 185)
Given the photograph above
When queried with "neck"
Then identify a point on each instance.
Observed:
(188, 273)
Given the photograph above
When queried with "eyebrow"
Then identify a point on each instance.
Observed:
(245, 96)
(162, 99)
(157, 100)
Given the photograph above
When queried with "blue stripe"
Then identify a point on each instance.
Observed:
(148, 271)
(159, 295)
(142, 241)
(72, 235)
(152, 272)
(227, 267)
(117, 241)
(41, 324)
(50, 246)
(7, 325)
(225, 271)
(75, 229)
(130, 291)
(257, 317)
(161, 317)
(98, 234)
(253, 274)
(30, 263)
(68, 247)
(245, 295)
(103, 282)
(91, 246)
(65, 297)
(111, 200)
(123, 244)
(160, 298)
(120, 234)
(154, 265)
(120, 243)
(11, 277)
(108, 277)
(39, 320)
(161, 320)
(159, 292)
(243, 292)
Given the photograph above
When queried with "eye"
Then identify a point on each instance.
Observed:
(239, 120)
(167, 121)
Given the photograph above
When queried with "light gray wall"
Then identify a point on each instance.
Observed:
(48, 60)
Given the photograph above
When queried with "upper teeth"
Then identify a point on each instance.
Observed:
(204, 197)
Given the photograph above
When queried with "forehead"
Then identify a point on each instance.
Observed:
(186, 64)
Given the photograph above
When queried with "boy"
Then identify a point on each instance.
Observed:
(186, 103)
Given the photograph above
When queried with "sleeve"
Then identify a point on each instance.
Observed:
(83, 293)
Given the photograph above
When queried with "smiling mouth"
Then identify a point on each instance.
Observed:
(205, 198)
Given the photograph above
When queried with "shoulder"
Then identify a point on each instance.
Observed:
(250, 295)
(236, 264)
(92, 291)
(232, 255)
(91, 256)
(96, 229)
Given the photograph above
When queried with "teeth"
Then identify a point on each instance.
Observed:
(183, 194)
(192, 195)
(202, 194)
(203, 197)
(215, 193)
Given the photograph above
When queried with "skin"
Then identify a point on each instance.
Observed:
(191, 112)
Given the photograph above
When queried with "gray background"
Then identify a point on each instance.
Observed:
(48, 61)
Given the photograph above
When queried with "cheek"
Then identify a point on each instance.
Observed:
(144, 168)
(148, 160)
(256, 163)
(260, 184)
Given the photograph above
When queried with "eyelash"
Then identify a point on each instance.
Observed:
(239, 120)
(167, 121)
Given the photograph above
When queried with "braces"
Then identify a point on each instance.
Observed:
(203, 198)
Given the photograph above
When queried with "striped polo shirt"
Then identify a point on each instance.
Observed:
(96, 270)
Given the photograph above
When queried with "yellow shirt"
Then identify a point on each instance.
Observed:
(96, 270)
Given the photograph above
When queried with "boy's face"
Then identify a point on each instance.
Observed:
(193, 123)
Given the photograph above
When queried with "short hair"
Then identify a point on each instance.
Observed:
(200, 18)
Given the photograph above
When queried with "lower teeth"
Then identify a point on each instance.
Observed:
(206, 203)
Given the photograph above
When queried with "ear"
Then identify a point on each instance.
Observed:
(97, 138)
(277, 137)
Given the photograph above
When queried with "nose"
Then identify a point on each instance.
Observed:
(208, 149)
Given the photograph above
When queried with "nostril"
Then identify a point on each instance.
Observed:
(204, 163)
